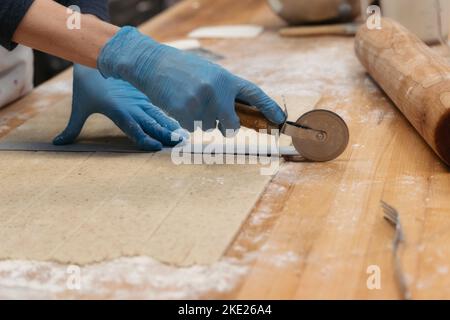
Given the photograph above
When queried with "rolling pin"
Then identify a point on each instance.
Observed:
(415, 77)
(343, 29)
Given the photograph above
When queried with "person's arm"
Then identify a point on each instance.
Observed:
(145, 124)
(44, 27)
(191, 89)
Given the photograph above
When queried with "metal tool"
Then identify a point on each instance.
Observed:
(297, 12)
(318, 135)
(393, 217)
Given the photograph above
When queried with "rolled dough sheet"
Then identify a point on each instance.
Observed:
(227, 32)
(83, 208)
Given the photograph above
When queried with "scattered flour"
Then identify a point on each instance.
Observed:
(153, 279)
(283, 259)
(142, 277)
(263, 215)
(442, 270)
(63, 86)
(307, 70)
(408, 180)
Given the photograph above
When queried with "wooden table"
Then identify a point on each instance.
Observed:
(318, 231)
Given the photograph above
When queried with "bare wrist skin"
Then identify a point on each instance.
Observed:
(44, 28)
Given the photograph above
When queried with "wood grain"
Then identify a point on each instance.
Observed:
(318, 227)
(344, 29)
(253, 119)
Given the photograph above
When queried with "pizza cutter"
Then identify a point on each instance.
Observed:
(318, 135)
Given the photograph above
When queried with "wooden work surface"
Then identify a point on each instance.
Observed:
(318, 227)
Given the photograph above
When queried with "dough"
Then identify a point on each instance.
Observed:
(86, 208)
(82, 208)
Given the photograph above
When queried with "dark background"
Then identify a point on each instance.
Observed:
(123, 12)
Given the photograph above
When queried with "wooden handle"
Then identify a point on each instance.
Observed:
(346, 29)
(415, 77)
(252, 118)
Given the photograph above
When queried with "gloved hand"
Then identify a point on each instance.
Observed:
(187, 87)
(146, 125)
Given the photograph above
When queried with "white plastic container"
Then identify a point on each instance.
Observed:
(16, 73)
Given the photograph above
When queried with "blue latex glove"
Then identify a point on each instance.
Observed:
(145, 124)
(184, 85)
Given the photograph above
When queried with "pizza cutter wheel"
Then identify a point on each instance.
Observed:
(318, 135)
